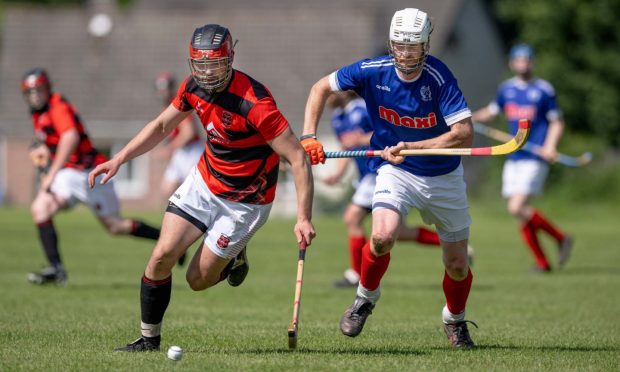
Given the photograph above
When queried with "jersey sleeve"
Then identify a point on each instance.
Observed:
(347, 78)
(452, 104)
(180, 101)
(267, 119)
(63, 117)
(552, 111)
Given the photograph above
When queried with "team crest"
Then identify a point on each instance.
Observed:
(425, 92)
(226, 118)
(223, 241)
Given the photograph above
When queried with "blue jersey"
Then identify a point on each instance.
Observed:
(353, 117)
(406, 110)
(533, 100)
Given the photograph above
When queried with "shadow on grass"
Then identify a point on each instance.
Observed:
(331, 351)
(579, 349)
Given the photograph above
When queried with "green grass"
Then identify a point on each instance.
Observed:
(564, 321)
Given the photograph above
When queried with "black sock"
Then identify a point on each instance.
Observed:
(142, 230)
(49, 240)
(154, 300)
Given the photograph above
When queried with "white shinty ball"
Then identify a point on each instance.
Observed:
(175, 353)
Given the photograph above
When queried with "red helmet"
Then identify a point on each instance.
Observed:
(211, 53)
(35, 78)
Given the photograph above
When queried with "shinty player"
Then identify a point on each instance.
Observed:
(228, 195)
(524, 174)
(414, 103)
(352, 126)
(61, 139)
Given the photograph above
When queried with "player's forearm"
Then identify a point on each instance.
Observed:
(461, 135)
(69, 141)
(556, 129)
(484, 115)
(304, 185)
(315, 105)
(152, 134)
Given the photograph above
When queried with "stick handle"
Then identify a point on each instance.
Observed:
(298, 283)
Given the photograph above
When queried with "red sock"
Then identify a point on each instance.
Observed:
(540, 222)
(529, 235)
(426, 236)
(356, 244)
(373, 268)
(456, 292)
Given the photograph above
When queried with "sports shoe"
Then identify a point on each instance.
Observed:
(564, 249)
(239, 270)
(458, 334)
(541, 270)
(353, 319)
(181, 260)
(48, 275)
(349, 280)
(141, 344)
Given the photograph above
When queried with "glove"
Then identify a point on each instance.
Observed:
(313, 148)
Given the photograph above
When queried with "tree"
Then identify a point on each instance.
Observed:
(577, 47)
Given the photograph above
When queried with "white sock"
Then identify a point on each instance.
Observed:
(150, 330)
(372, 296)
(449, 318)
(351, 276)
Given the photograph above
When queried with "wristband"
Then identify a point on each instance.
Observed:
(306, 136)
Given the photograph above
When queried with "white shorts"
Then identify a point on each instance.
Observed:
(183, 160)
(524, 177)
(441, 200)
(365, 191)
(227, 225)
(72, 185)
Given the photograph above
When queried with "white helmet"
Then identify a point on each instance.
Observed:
(409, 43)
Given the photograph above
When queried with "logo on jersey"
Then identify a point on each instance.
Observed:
(226, 118)
(383, 87)
(517, 112)
(223, 241)
(425, 92)
(533, 95)
(214, 135)
(392, 116)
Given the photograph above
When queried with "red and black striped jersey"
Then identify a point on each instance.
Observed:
(238, 164)
(53, 120)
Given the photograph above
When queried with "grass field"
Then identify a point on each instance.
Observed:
(564, 321)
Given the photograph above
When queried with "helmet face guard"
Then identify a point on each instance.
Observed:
(36, 87)
(408, 57)
(211, 54)
(409, 41)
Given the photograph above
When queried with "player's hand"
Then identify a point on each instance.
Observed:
(110, 168)
(390, 153)
(40, 156)
(550, 155)
(304, 230)
(314, 149)
(46, 183)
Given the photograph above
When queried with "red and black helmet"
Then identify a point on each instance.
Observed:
(35, 78)
(211, 53)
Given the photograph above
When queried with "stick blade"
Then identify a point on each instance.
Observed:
(292, 336)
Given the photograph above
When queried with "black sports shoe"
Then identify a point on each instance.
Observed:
(458, 334)
(564, 250)
(239, 270)
(141, 344)
(48, 275)
(354, 317)
(181, 260)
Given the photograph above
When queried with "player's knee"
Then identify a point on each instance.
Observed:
(457, 267)
(382, 243)
(198, 282)
(114, 229)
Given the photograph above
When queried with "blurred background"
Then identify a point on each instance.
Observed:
(103, 55)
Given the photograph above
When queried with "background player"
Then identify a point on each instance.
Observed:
(61, 138)
(184, 145)
(527, 97)
(228, 195)
(414, 102)
(352, 126)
